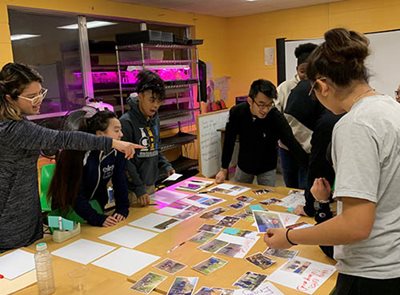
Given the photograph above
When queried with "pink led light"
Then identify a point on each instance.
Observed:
(130, 77)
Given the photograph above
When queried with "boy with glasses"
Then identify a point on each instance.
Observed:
(259, 126)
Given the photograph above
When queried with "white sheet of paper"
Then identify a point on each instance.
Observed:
(172, 177)
(265, 288)
(83, 251)
(293, 200)
(234, 190)
(128, 236)
(288, 219)
(302, 274)
(126, 261)
(167, 196)
(16, 263)
(170, 211)
(151, 220)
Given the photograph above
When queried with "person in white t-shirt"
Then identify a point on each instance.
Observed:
(365, 154)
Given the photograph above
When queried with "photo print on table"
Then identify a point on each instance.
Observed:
(170, 266)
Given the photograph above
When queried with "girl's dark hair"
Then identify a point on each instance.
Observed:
(66, 182)
(264, 86)
(340, 58)
(148, 80)
(14, 77)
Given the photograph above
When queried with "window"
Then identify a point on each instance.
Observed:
(54, 52)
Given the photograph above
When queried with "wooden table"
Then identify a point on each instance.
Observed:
(102, 281)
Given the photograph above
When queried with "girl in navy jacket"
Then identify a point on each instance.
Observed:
(81, 177)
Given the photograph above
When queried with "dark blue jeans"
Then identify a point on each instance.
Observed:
(295, 176)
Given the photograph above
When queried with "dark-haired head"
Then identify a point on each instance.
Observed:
(340, 58)
(148, 80)
(151, 93)
(302, 52)
(265, 87)
(261, 95)
(14, 78)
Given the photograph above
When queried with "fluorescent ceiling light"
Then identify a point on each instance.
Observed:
(16, 37)
(89, 25)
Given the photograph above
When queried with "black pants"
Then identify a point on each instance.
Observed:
(352, 285)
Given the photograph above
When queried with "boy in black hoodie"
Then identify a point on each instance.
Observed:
(142, 124)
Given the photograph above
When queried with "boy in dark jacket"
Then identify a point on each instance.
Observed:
(142, 124)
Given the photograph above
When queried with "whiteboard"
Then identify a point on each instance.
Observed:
(383, 62)
(209, 139)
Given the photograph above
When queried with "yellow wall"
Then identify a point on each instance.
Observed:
(212, 29)
(250, 34)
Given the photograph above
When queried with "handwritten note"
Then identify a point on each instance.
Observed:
(302, 274)
(210, 141)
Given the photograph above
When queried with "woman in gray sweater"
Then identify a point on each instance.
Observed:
(21, 94)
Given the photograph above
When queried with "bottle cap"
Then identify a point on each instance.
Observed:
(41, 246)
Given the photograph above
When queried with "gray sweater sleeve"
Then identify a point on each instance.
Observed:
(30, 136)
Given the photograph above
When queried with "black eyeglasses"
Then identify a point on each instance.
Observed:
(314, 84)
(262, 106)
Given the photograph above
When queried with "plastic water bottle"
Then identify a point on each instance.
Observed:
(44, 270)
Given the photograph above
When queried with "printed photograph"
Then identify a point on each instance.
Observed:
(211, 201)
(148, 283)
(228, 221)
(207, 291)
(165, 224)
(213, 246)
(195, 197)
(238, 205)
(202, 237)
(170, 266)
(260, 260)
(282, 253)
(230, 250)
(223, 291)
(210, 265)
(258, 192)
(178, 205)
(250, 280)
(219, 190)
(245, 199)
(266, 220)
(270, 201)
(194, 209)
(183, 286)
(212, 213)
(185, 215)
(296, 266)
(211, 228)
(246, 216)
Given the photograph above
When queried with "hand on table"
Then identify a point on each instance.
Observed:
(221, 176)
(275, 238)
(144, 200)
